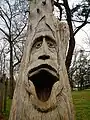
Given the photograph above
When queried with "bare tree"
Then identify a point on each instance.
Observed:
(82, 10)
(14, 21)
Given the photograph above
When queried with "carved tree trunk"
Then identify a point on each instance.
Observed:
(11, 71)
(5, 93)
(42, 91)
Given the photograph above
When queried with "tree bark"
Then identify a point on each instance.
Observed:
(11, 71)
(72, 39)
(5, 93)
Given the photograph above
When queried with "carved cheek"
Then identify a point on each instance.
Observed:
(54, 55)
(34, 55)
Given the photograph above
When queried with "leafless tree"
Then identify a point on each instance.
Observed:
(82, 10)
(14, 22)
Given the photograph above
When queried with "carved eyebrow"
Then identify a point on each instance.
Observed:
(43, 35)
(40, 38)
(37, 40)
(51, 39)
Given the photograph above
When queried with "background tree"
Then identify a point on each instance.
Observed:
(79, 70)
(13, 22)
(72, 69)
(79, 13)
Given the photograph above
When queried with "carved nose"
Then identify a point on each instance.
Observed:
(44, 57)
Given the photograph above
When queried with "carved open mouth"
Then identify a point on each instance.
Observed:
(43, 78)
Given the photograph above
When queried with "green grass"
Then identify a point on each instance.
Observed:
(81, 100)
(8, 106)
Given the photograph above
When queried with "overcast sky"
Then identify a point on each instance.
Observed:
(83, 36)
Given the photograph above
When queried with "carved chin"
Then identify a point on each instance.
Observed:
(43, 78)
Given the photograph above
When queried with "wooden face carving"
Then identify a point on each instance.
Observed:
(42, 91)
(43, 72)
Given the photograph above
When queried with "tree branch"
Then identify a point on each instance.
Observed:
(4, 33)
(18, 60)
(84, 23)
(72, 39)
(57, 4)
(19, 32)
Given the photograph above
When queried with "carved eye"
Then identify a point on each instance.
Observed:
(51, 44)
(38, 44)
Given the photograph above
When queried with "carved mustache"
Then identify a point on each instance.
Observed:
(46, 67)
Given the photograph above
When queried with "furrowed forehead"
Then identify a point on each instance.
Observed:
(44, 34)
(43, 29)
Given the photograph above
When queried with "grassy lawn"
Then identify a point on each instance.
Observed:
(81, 100)
(6, 113)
